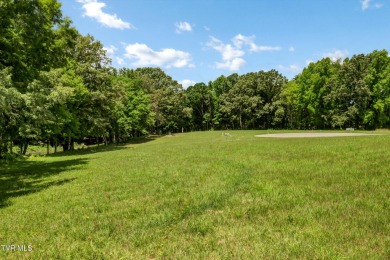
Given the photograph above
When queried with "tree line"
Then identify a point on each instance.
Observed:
(349, 93)
(58, 87)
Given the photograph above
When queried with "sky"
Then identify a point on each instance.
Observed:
(197, 41)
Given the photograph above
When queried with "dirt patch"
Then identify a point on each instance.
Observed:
(309, 135)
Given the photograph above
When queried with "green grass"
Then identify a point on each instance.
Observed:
(203, 195)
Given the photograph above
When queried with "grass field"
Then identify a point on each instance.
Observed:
(202, 195)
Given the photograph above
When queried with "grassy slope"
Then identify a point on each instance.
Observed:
(203, 195)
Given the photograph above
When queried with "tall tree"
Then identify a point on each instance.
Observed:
(165, 97)
(92, 65)
(11, 104)
(200, 99)
(350, 95)
(26, 34)
(241, 103)
(132, 114)
(219, 87)
(378, 80)
(254, 100)
(270, 86)
(314, 85)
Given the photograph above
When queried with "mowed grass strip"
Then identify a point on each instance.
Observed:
(203, 195)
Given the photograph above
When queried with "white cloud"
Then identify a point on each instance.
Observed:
(257, 48)
(167, 58)
(365, 4)
(336, 55)
(206, 28)
(187, 82)
(183, 27)
(110, 50)
(291, 68)
(233, 65)
(368, 4)
(240, 39)
(292, 49)
(227, 51)
(120, 61)
(93, 9)
(231, 55)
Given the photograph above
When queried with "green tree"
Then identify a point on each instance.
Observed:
(241, 103)
(220, 86)
(49, 112)
(378, 79)
(133, 113)
(200, 99)
(314, 84)
(11, 105)
(26, 34)
(167, 100)
(270, 86)
(254, 101)
(350, 93)
(98, 101)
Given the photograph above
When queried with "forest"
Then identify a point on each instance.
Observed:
(59, 87)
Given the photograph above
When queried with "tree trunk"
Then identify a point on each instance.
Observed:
(25, 145)
(48, 147)
(66, 145)
(55, 145)
(71, 144)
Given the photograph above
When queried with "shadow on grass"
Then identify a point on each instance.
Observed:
(22, 177)
(141, 140)
(26, 177)
(106, 148)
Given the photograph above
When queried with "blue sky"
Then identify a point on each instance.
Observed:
(199, 40)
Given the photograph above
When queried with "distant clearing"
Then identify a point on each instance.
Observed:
(311, 135)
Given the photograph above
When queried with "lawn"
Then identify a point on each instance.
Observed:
(202, 195)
